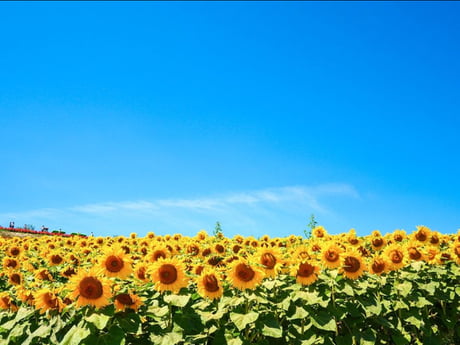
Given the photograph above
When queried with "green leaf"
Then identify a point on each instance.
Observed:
(41, 332)
(23, 313)
(75, 336)
(422, 302)
(168, 339)
(430, 287)
(234, 341)
(300, 313)
(413, 320)
(98, 320)
(405, 288)
(177, 300)
(242, 320)
(324, 321)
(367, 337)
(271, 327)
(129, 321)
(344, 339)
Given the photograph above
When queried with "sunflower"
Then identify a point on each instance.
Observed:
(319, 232)
(46, 299)
(55, 258)
(396, 256)
(243, 275)
(67, 272)
(89, 288)
(14, 251)
(9, 262)
(158, 253)
(115, 263)
(209, 284)
(140, 272)
(330, 255)
(168, 275)
(15, 278)
(378, 242)
(44, 275)
(128, 300)
(301, 253)
(455, 251)
(422, 234)
(379, 265)
(306, 272)
(414, 251)
(25, 295)
(6, 302)
(398, 235)
(353, 265)
(432, 256)
(435, 238)
(270, 259)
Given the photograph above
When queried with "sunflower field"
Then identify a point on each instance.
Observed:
(396, 288)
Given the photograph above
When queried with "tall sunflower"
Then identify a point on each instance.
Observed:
(90, 288)
(271, 261)
(115, 263)
(330, 255)
(379, 265)
(168, 275)
(353, 266)
(244, 275)
(305, 271)
(395, 254)
(209, 284)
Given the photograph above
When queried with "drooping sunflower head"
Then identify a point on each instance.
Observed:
(90, 287)
(353, 265)
(46, 299)
(379, 265)
(115, 263)
(127, 300)
(168, 275)
(245, 275)
(331, 255)
(209, 284)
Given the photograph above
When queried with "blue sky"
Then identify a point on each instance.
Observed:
(152, 116)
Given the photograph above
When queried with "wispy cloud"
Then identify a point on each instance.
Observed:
(243, 208)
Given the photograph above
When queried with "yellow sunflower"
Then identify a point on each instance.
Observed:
(55, 258)
(270, 260)
(319, 232)
(455, 251)
(395, 254)
(414, 251)
(46, 299)
(6, 302)
(9, 262)
(422, 234)
(243, 275)
(168, 275)
(140, 272)
(398, 235)
(90, 288)
(353, 265)
(379, 265)
(330, 255)
(378, 242)
(115, 263)
(305, 272)
(15, 278)
(128, 300)
(209, 284)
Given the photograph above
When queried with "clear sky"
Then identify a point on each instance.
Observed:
(167, 117)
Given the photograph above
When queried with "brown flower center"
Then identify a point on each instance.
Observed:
(331, 255)
(15, 251)
(15, 278)
(114, 264)
(11, 263)
(51, 301)
(268, 260)
(157, 254)
(305, 270)
(414, 254)
(168, 274)
(378, 266)
(421, 236)
(141, 273)
(69, 272)
(56, 259)
(398, 238)
(245, 272)
(377, 242)
(124, 299)
(219, 248)
(90, 287)
(396, 256)
(353, 241)
(351, 264)
(434, 239)
(210, 283)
